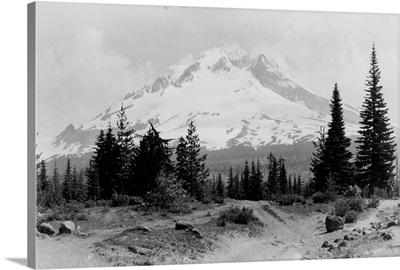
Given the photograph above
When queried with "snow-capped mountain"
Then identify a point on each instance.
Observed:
(233, 98)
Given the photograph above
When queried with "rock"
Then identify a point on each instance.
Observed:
(334, 223)
(46, 228)
(183, 225)
(139, 250)
(336, 240)
(325, 244)
(343, 244)
(141, 228)
(391, 224)
(67, 227)
(387, 237)
(346, 237)
(195, 232)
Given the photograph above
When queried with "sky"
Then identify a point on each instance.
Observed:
(89, 55)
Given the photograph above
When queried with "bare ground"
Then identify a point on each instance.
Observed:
(289, 233)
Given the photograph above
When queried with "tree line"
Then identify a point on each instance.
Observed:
(334, 167)
(120, 167)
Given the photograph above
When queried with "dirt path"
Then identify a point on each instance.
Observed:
(296, 237)
(71, 251)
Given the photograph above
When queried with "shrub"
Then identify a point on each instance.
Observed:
(325, 197)
(351, 216)
(341, 207)
(73, 207)
(206, 200)
(219, 200)
(356, 204)
(290, 199)
(103, 203)
(90, 204)
(239, 216)
(120, 200)
(133, 200)
(374, 202)
(352, 191)
(179, 208)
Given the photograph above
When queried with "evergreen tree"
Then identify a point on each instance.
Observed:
(246, 181)
(290, 184)
(74, 185)
(231, 192)
(43, 186)
(272, 175)
(197, 171)
(93, 187)
(125, 154)
(255, 181)
(236, 185)
(181, 167)
(81, 188)
(57, 188)
(318, 166)
(376, 146)
(151, 158)
(282, 179)
(299, 185)
(67, 186)
(337, 156)
(220, 187)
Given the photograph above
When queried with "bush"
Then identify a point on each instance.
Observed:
(219, 200)
(179, 208)
(356, 204)
(352, 191)
(341, 207)
(290, 199)
(239, 216)
(325, 197)
(374, 202)
(90, 204)
(103, 203)
(351, 216)
(119, 200)
(133, 200)
(73, 207)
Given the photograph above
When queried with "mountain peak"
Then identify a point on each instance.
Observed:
(238, 57)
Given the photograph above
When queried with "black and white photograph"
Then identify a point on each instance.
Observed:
(168, 135)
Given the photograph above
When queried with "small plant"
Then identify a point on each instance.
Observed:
(356, 204)
(239, 216)
(351, 216)
(120, 200)
(290, 199)
(90, 204)
(352, 191)
(325, 197)
(341, 207)
(374, 202)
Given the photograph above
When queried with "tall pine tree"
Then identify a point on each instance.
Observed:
(337, 155)
(181, 166)
(67, 186)
(318, 168)
(197, 171)
(376, 146)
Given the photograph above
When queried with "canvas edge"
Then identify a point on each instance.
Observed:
(31, 143)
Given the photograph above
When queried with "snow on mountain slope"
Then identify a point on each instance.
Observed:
(232, 97)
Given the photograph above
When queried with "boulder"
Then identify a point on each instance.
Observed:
(46, 228)
(139, 250)
(387, 237)
(141, 228)
(343, 244)
(325, 244)
(183, 225)
(391, 224)
(334, 223)
(67, 227)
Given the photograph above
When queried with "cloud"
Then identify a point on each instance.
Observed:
(76, 83)
(186, 60)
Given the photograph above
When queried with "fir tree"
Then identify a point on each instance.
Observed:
(43, 186)
(236, 185)
(74, 185)
(151, 158)
(272, 183)
(81, 188)
(282, 178)
(246, 181)
(220, 187)
(57, 197)
(376, 146)
(67, 191)
(337, 155)
(181, 167)
(290, 185)
(318, 166)
(197, 171)
(92, 184)
(299, 185)
(125, 154)
(231, 192)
